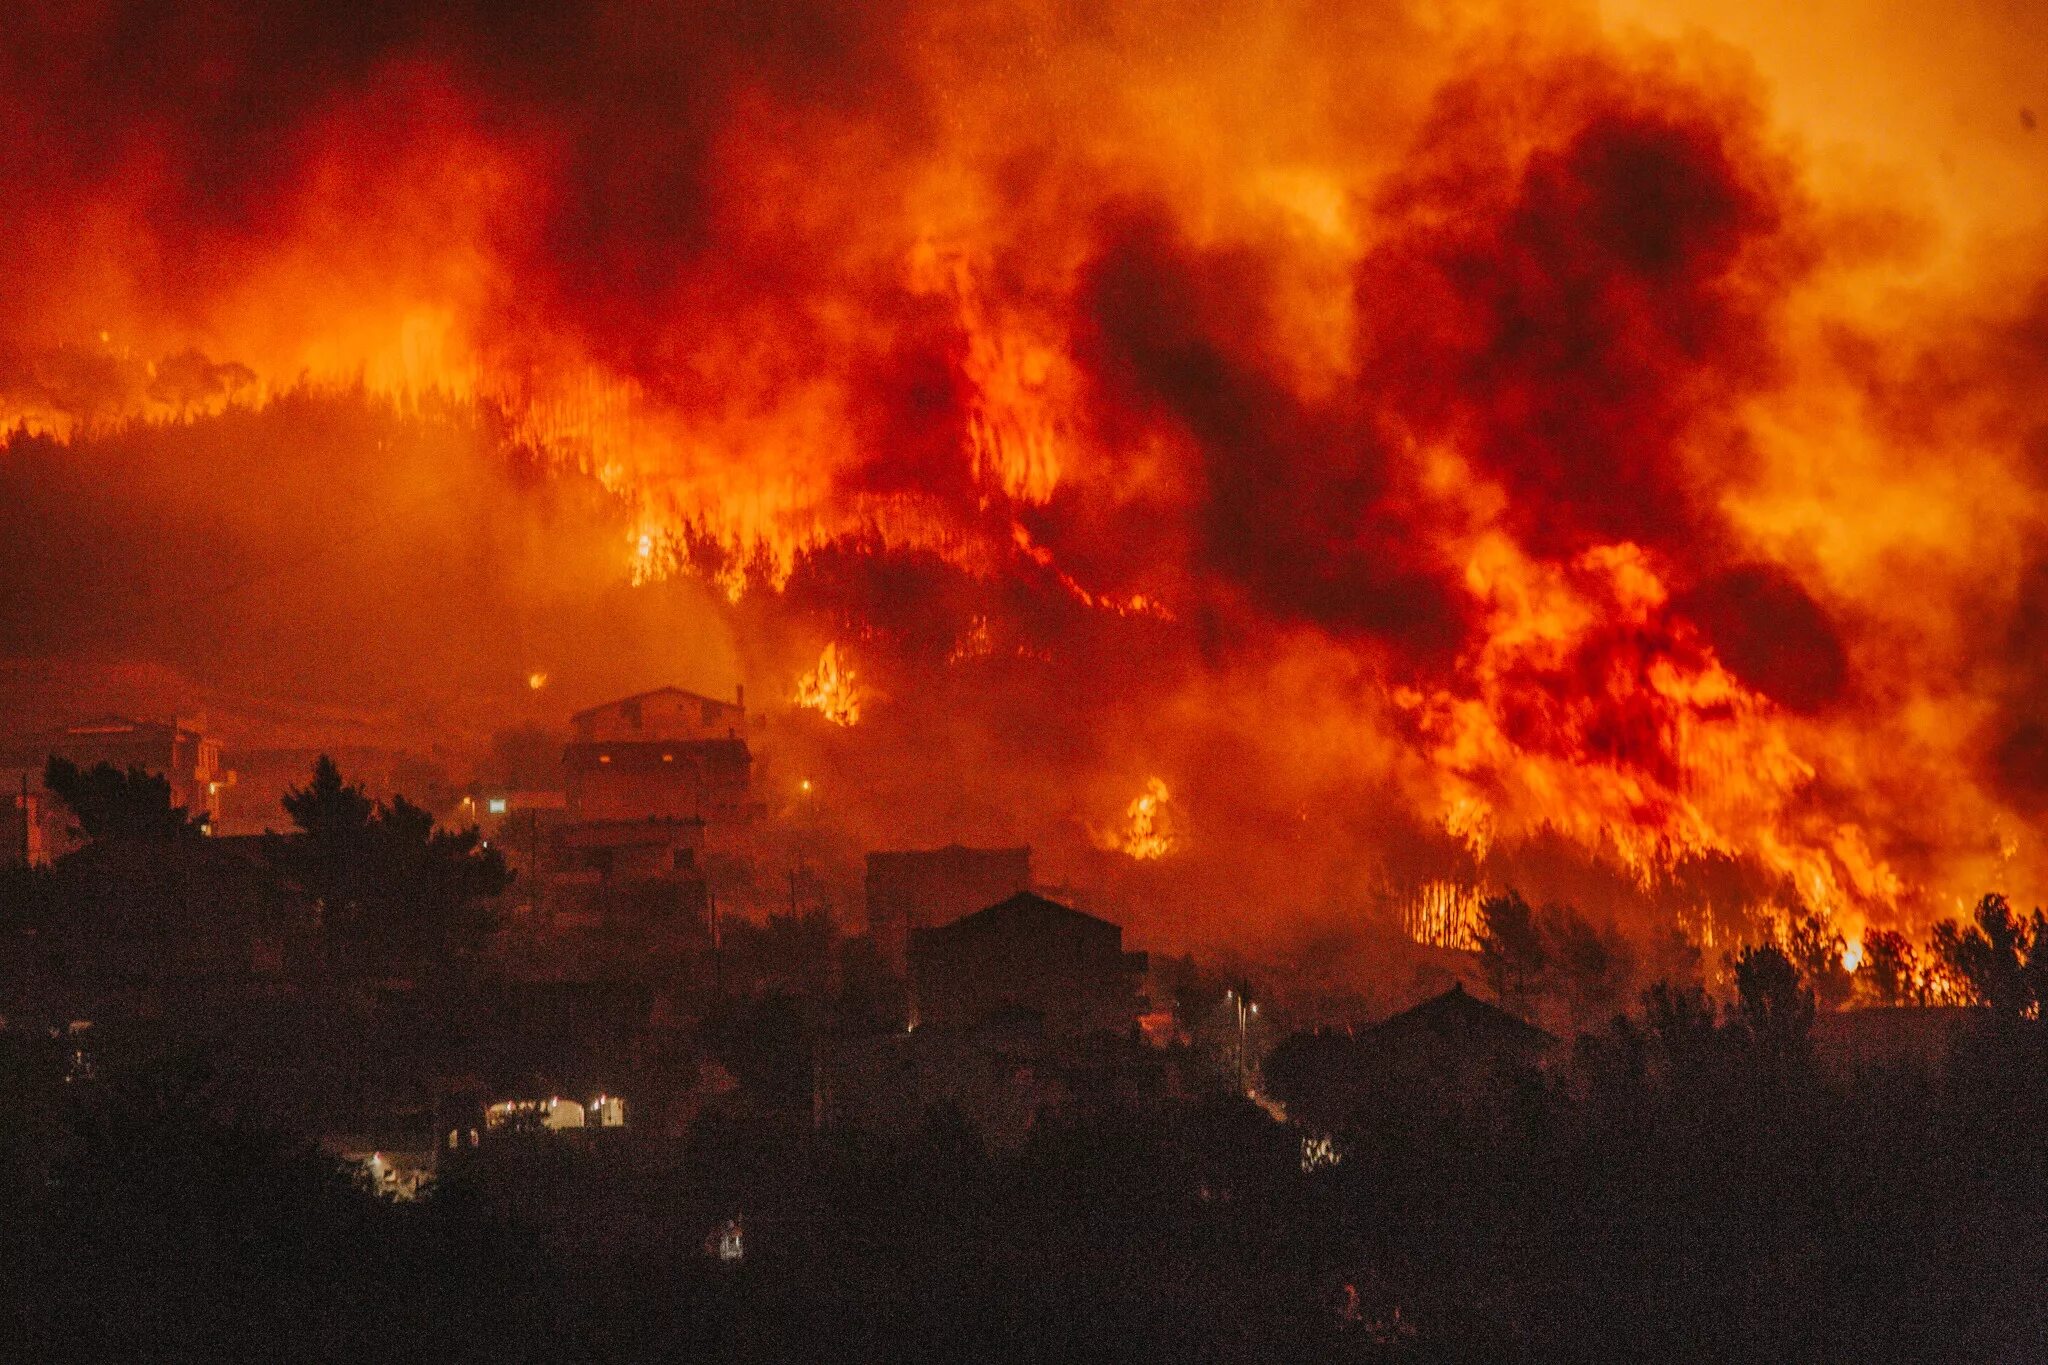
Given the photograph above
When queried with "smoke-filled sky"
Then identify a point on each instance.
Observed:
(1412, 435)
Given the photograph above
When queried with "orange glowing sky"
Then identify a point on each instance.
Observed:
(1408, 434)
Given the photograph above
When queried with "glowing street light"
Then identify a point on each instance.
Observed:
(1247, 1010)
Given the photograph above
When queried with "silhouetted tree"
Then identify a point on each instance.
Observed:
(331, 854)
(1991, 957)
(1554, 956)
(872, 999)
(1816, 948)
(1682, 1023)
(1774, 1006)
(1511, 949)
(114, 805)
(1589, 966)
(1319, 1077)
(1891, 972)
(393, 888)
(436, 885)
(1192, 990)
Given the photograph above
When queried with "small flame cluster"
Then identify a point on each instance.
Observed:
(1443, 914)
(830, 690)
(1149, 829)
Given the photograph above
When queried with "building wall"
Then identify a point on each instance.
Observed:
(25, 834)
(1069, 969)
(657, 780)
(669, 713)
(186, 758)
(929, 888)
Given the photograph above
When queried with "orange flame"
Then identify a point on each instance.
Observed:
(830, 690)
(1443, 914)
(1541, 346)
(1148, 831)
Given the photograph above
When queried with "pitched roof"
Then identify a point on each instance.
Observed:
(1458, 1016)
(1024, 908)
(655, 692)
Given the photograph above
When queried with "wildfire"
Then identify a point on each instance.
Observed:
(1443, 914)
(1539, 402)
(1148, 830)
(1591, 708)
(830, 690)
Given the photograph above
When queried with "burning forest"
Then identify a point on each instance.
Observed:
(1369, 499)
(1421, 439)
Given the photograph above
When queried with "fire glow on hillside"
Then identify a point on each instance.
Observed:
(1449, 434)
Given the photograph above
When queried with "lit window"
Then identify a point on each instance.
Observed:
(668, 758)
(497, 805)
(604, 758)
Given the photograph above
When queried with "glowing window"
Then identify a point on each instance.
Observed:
(604, 758)
(497, 805)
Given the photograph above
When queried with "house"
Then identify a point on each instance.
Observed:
(1456, 1038)
(999, 1078)
(28, 828)
(645, 779)
(916, 889)
(663, 714)
(661, 755)
(1031, 954)
(177, 750)
(1451, 1054)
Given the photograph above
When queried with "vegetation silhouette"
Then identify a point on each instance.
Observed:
(1699, 1168)
(112, 804)
(393, 889)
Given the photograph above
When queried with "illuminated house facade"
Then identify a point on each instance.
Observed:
(175, 750)
(661, 755)
(645, 778)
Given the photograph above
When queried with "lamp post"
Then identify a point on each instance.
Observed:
(1241, 998)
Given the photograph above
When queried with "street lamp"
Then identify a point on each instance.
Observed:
(1247, 1008)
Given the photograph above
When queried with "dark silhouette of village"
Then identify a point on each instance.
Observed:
(587, 1074)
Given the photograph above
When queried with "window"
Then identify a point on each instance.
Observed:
(497, 805)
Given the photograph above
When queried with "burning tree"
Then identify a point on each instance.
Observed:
(1892, 971)
(830, 690)
(2000, 959)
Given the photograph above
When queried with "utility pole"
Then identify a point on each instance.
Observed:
(717, 947)
(533, 862)
(1241, 997)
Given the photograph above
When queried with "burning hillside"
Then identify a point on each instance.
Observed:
(1428, 443)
